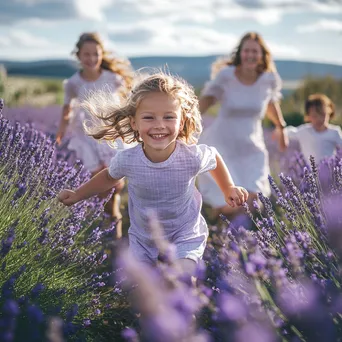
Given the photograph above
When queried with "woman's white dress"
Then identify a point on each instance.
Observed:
(237, 132)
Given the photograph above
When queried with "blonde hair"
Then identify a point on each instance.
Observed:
(267, 63)
(120, 66)
(318, 101)
(112, 119)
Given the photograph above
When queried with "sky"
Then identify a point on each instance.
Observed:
(309, 30)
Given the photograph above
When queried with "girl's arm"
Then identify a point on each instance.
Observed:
(205, 102)
(63, 123)
(234, 195)
(275, 114)
(101, 182)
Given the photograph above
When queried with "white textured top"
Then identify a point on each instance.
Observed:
(77, 89)
(167, 187)
(313, 143)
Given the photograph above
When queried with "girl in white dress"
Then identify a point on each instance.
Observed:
(317, 138)
(98, 71)
(247, 86)
(162, 115)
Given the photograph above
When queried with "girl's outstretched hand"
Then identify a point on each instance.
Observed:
(236, 196)
(67, 197)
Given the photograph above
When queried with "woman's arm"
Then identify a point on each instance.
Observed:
(234, 195)
(100, 183)
(275, 114)
(63, 123)
(205, 102)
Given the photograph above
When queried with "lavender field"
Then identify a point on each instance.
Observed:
(62, 279)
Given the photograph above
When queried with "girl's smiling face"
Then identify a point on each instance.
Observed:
(90, 56)
(251, 54)
(158, 120)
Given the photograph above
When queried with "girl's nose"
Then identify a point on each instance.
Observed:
(159, 124)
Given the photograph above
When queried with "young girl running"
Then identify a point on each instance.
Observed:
(317, 138)
(162, 115)
(98, 71)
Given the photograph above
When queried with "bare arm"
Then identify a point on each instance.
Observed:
(100, 183)
(234, 195)
(205, 102)
(63, 123)
(275, 114)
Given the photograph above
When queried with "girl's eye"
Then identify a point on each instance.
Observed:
(170, 117)
(147, 117)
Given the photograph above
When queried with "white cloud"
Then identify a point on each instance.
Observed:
(268, 16)
(163, 39)
(321, 25)
(265, 12)
(92, 9)
(334, 7)
(156, 27)
(190, 40)
(21, 38)
(5, 41)
(284, 51)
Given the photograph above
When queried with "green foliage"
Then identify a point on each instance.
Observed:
(3, 77)
(19, 91)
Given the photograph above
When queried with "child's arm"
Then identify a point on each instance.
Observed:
(234, 195)
(101, 182)
(63, 123)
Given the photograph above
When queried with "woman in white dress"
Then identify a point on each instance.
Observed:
(247, 86)
(99, 71)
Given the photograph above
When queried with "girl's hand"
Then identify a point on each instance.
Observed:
(67, 197)
(236, 196)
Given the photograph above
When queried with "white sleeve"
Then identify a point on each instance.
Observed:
(207, 156)
(69, 92)
(215, 87)
(291, 132)
(116, 166)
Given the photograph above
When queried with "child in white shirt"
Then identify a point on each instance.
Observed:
(317, 138)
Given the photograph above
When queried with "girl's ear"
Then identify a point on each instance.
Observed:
(181, 125)
(133, 123)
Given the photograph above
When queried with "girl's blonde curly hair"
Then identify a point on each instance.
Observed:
(111, 116)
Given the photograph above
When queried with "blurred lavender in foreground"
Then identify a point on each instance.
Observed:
(52, 258)
(281, 282)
